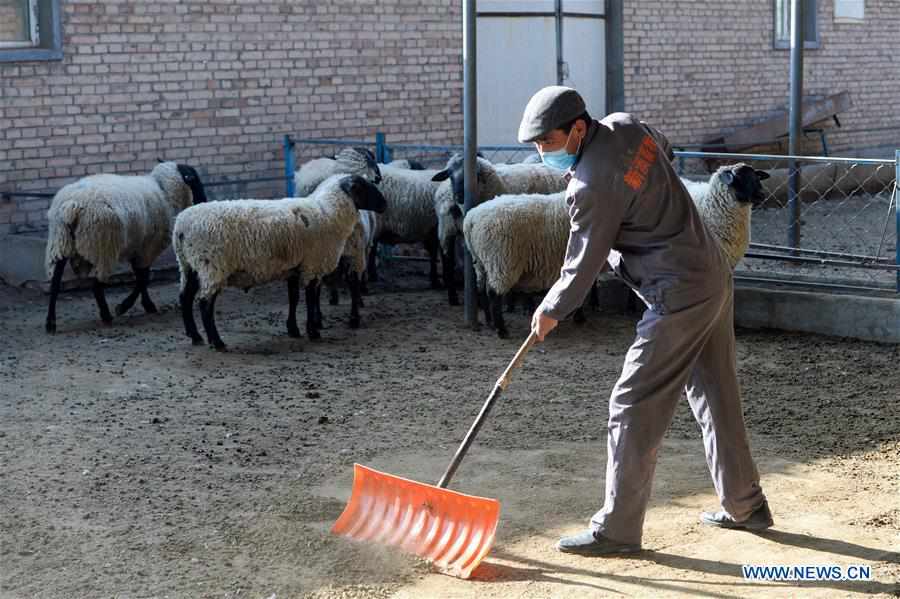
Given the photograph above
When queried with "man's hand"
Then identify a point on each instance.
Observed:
(542, 324)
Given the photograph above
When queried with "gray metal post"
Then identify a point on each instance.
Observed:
(796, 121)
(615, 56)
(897, 208)
(560, 68)
(470, 143)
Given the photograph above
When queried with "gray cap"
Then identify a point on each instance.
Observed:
(550, 108)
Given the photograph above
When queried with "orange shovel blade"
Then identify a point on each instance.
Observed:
(452, 530)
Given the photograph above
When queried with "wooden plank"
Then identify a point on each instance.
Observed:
(778, 125)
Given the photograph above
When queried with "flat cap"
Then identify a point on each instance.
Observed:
(550, 108)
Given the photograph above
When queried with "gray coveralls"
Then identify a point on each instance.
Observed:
(628, 206)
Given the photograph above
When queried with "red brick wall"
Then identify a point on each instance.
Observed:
(217, 83)
(698, 68)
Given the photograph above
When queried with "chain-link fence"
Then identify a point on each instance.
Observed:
(826, 221)
(835, 225)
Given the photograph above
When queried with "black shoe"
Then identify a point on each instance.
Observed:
(760, 519)
(590, 542)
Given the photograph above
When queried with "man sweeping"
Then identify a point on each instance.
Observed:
(628, 207)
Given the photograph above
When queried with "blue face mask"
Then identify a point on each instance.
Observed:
(561, 159)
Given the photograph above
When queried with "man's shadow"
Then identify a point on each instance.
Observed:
(548, 572)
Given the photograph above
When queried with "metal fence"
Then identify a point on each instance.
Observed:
(836, 229)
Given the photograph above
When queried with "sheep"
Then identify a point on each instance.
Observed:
(724, 203)
(410, 215)
(244, 243)
(352, 264)
(101, 220)
(528, 261)
(349, 161)
(413, 165)
(493, 180)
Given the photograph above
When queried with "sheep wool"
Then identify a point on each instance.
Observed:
(724, 215)
(518, 242)
(101, 220)
(243, 243)
(349, 161)
(410, 215)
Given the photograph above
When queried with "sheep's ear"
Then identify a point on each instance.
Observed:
(456, 211)
(728, 177)
(160, 160)
(441, 175)
(761, 175)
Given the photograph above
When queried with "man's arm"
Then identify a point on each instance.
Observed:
(596, 216)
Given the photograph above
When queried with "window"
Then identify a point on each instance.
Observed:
(849, 11)
(30, 30)
(783, 24)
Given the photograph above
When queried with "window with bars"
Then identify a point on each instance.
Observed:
(782, 33)
(30, 30)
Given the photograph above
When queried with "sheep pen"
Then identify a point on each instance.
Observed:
(155, 468)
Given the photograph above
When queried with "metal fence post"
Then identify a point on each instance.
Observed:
(470, 143)
(289, 165)
(379, 148)
(897, 210)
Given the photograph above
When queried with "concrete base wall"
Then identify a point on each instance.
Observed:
(22, 265)
(855, 316)
(859, 317)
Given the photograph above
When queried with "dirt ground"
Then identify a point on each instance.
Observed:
(133, 464)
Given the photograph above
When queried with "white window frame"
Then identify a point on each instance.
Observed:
(33, 25)
(810, 41)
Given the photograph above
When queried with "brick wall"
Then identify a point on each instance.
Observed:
(216, 83)
(698, 69)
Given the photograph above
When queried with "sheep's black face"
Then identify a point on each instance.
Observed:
(364, 194)
(746, 183)
(455, 171)
(371, 163)
(192, 179)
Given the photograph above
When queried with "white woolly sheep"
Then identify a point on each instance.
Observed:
(349, 161)
(413, 165)
(517, 242)
(352, 264)
(244, 243)
(724, 203)
(101, 220)
(493, 180)
(410, 215)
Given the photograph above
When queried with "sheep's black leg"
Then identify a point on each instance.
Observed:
(363, 286)
(55, 283)
(578, 317)
(594, 297)
(334, 295)
(355, 299)
(371, 268)
(146, 302)
(448, 265)
(510, 302)
(529, 304)
(208, 314)
(311, 297)
(485, 304)
(433, 247)
(186, 300)
(100, 298)
(128, 302)
(293, 283)
(496, 307)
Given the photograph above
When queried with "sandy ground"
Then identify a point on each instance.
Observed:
(133, 464)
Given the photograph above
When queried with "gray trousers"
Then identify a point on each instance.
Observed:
(691, 349)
